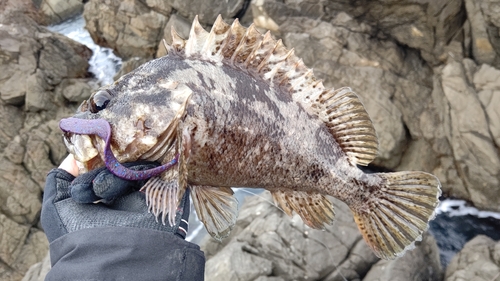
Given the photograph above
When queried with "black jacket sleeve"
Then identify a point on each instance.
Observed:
(118, 248)
(124, 253)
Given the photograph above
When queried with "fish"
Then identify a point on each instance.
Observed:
(236, 108)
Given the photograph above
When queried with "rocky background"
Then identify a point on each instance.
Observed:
(427, 71)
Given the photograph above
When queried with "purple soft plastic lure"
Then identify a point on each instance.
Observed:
(101, 128)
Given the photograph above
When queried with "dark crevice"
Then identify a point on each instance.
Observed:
(243, 10)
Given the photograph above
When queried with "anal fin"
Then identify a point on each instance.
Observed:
(217, 209)
(315, 209)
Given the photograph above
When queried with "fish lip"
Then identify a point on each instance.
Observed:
(81, 146)
(102, 129)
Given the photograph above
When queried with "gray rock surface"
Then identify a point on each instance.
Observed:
(420, 264)
(479, 260)
(427, 72)
(131, 28)
(35, 61)
(36, 67)
(55, 11)
(484, 20)
(268, 244)
(207, 11)
(476, 158)
(38, 271)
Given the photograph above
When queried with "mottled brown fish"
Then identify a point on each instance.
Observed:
(236, 108)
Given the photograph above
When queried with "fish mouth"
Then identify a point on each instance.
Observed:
(85, 151)
(82, 136)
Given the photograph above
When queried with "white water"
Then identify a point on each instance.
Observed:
(104, 63)
(456, 207)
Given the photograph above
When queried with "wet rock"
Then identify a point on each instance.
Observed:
(266, 243)
(421, 263)
(478, 260)
(131, 28)
(55, 11)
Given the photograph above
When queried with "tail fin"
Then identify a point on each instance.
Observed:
(399, 213)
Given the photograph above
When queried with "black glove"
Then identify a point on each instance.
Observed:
(115, 239)
(69, 203)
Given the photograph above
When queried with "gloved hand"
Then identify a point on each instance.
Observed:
(100, 199)
(116, 238)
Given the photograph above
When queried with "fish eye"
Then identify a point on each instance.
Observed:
(99, 101)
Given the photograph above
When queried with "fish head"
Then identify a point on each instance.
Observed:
(142, 109)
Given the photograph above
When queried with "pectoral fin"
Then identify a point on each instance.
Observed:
(217, 208)
(315, 209)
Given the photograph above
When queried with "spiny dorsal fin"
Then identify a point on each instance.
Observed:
(315, 209)
(261, 55)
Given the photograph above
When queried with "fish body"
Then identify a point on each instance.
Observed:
(235, 108)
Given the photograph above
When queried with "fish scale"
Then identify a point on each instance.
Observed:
(234, 107)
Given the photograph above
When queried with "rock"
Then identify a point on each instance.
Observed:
(35, 65)
(18, 48)
(207, 11)
(344, 54)
(476, 157)
(34, 61)
(267, 243)
(237, 255)
(483, 31)
(427, 26)
(356, 265)
(55, 11)
(421, 263)
(19, 194)
(70, 57)
(131, 28)
(74, 90)
(129, 65)
(35, 248)
(43, 145)
(39, 95)
(487, 83)
(38, 271)
(12, 119)
(20, 247)
(181, 25)
(479, 260)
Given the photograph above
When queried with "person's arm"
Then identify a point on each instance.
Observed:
(118, 240)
